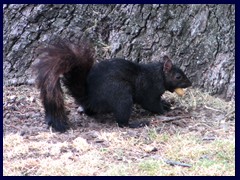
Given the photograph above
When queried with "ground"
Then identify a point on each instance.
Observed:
(197, 137)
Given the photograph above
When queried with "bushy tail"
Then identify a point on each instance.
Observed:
(73, 62)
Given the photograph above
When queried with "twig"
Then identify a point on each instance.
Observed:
(212, 109)
(208, 138)
(173, 163)
(170, 162)
(229, 115)
(166, 118)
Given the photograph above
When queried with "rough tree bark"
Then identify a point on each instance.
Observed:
(199, 38)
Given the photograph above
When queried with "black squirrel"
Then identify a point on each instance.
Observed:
(112, 85)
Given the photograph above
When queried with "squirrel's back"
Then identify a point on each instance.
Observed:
(108, 80)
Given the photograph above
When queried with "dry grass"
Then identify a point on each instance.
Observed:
(205, 140)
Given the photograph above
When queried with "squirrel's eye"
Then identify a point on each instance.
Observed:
(178, 76)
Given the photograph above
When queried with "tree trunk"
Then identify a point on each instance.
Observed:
(199, 38)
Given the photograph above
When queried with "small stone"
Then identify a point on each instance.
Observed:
(7, 116)
(12, 98)
(150, 149)
(27, 115)
(22, 133)
(99, 140)
(32, 99)
(80, 109)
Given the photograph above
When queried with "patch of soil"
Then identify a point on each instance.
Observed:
(23, 113)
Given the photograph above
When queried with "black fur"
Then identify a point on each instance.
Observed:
(109, 86)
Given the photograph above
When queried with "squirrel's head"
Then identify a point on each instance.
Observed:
(174, 77)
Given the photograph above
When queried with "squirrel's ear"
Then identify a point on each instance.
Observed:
(167, 66)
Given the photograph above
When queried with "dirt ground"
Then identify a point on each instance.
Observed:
(203, 115)
(23, 113)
